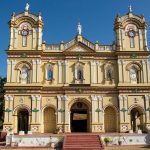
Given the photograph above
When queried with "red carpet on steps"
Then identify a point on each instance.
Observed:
(82, 142)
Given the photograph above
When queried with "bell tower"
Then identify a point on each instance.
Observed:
(26, 31)
(131, 32)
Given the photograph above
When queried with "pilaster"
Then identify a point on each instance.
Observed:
(34, 71)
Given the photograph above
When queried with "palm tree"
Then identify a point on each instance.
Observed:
(2, 82)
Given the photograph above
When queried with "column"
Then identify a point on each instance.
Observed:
(120, 70)
(59, 107)
(101, 114)
(60, 72)
(8, 70)
(34, 38)
(66, 71)
(38, 106)
(94, 115)
(6, 106)
(123, 35)
(140, 39)
(15, 38)
(66, 109)
(144, 71)
(11, 38)
(98, 72)
(92, 70)
(11, 108)
(38, 72)
(34, 71)
(125, 75)
(125, 99)
(13, 79)
(39, 38)
(148, 70)
(147, 106)
(121, 107)
(33, 98)
(145, 38)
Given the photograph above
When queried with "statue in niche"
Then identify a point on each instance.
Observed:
(109, 74)
(80, 74)
(50, 74)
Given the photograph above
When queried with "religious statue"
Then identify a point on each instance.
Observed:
(27, 7)
(79, 28)
(130, 9)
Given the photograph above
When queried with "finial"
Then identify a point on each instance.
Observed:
(130, 9)
(79, 28)
(27, 7)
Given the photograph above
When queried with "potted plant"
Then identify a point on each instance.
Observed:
(107, 140)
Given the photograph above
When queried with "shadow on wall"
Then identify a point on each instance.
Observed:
(147, 138)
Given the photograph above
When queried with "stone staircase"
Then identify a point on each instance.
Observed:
(82, 142)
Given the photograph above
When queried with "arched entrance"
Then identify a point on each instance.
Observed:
(49, 120)
(23, 119)
(136, 119)
(110, 119)
(79, 119)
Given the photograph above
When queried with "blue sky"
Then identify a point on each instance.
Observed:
(61, 17)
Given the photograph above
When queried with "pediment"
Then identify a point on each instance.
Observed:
(79, 47)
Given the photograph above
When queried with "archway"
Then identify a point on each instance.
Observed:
(136, 119)
(79, 118)
(110, 119)
(23, 119)
(49, 120)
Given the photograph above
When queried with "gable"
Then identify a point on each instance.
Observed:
(79, 47)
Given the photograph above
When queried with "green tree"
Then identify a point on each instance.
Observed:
(2, 82)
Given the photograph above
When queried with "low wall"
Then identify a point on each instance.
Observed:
(128, 139)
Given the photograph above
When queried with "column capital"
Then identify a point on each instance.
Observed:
(120, 97)
(33, 61)
(6, 97)
(100, 98)
(38, 97)
(125, 97)
(38, 61)
(94, 97)
(33, 97)
(147, 97)
(10, 97)
(59, 97)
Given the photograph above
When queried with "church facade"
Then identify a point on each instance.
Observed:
(77, 86)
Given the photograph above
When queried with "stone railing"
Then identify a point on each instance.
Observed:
(105, 47)
(88, 43)
(70, 43)
(52, 47)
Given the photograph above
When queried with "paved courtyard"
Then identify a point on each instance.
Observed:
(106, 148)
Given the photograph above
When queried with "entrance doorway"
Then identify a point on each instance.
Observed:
(79, 117)
(49, 120)
(110, 119)
(136, 120)
(23, 118)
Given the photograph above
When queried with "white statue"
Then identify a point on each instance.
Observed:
(79, 28)
(130, 9)
(27, 7)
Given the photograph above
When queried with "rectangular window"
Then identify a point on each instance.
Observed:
(132, 43)
(24, 41)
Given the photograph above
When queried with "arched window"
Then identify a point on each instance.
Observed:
(131, 34)
(134, 77)
(134, 72)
